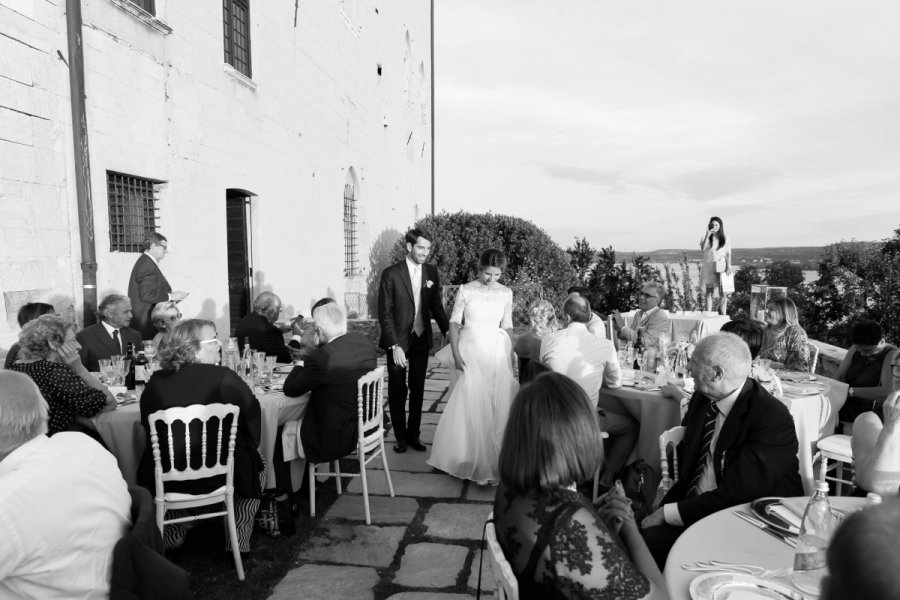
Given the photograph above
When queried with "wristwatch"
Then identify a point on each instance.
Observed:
(393, 347)
(850, 393)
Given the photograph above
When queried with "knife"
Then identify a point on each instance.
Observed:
(778, 536)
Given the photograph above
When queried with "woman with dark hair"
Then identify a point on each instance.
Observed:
(27, 313)
(785, 341)
(716, 261)
(55, 366)
(752, 333)
(557, 543)
(189, 374)
(467, 439)
(867, 368)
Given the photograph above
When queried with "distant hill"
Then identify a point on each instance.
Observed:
(806, 255)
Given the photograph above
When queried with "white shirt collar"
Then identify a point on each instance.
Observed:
(109, 328)
(411, 265)
(152, 258)
(727, 403)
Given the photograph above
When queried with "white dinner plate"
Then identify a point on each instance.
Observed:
(284, 369)
(721, 586)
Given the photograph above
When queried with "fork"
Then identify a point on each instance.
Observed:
(756, 571)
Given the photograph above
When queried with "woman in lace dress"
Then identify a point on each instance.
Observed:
(557, 543)
(716, 251)
(468, 436)
(785, 342)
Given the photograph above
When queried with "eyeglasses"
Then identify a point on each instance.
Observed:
(210, 341)
(646, 295)
(163, 246)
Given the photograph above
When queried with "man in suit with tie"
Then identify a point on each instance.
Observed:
(408, 298)
(649, 322)
(111, 335)
(739, 444)
(147, 286)
(328, 430)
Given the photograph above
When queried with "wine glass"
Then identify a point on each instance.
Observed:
(149, 349)
(641, 358)
(108, 370)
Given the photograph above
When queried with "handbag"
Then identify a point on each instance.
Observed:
(640, 485)
(727, 282)
(720, 266)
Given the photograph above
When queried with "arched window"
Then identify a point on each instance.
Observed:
(351, 226)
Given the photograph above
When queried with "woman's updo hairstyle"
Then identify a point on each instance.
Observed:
(179, 347)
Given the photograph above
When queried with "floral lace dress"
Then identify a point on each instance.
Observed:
(581, 557)
(790, 346)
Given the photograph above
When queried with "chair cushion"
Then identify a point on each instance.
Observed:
(836, 444)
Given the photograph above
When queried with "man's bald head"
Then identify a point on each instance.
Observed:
(23, 411)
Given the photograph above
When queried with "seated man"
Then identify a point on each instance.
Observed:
(649, 322)
(876, 447)
(591, 362)
(739, 444)
(258, 326)
(63, 503)
(111, 335)
(304, 340)
(596, 324)
(863, 556)
(328, 431)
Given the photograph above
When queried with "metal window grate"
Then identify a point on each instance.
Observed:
(351, 252)
(133, 208)
(147, 5)
(236, 23)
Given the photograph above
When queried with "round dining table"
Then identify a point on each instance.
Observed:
(725, 537)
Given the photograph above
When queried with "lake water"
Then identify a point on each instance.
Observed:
(694, 270)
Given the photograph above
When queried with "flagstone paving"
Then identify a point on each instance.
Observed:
(423, 544)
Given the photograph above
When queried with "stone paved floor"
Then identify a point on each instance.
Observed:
(423, 544)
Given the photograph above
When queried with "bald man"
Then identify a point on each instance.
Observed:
(63, 503)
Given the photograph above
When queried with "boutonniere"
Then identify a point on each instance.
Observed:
(429, 283)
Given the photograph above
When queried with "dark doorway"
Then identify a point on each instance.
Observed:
(240, 271)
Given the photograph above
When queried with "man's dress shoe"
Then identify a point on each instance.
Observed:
(400, 447)
(416, 444)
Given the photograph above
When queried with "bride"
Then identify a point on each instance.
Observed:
(469, 434)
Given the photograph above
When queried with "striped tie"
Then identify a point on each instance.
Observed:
(709, 427)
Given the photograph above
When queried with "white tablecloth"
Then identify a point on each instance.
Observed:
(685, 323)
(723, 536)
(122, 433)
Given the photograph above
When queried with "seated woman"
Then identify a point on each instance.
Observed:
(528, 346)
(165, 316)
(189, 374)
(27, 313)
(785, 341)
(55, 366)
(558, 544)
(867, 368)
(876, 446)
(752, 333)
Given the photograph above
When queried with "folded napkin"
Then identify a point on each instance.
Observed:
(787, 515)
(796, 506)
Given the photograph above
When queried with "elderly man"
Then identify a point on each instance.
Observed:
(259, 327)
(596, 325)
(876, 445)
(739, 444)
(591, 361)
(147, 286)
(863, 556)
(328, 431)
(111, 335)
(63, 503)
(649, 322)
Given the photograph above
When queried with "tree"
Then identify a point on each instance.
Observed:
(581, 255)
(784, 272)
(746, 277)
(616, 287)
(536, 264)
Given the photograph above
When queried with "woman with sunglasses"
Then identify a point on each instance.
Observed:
(190, 374)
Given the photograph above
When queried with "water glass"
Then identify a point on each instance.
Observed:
(149, 350)
(271, 361)
(107, 370)
(259, 367)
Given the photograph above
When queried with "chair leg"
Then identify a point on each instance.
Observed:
(387, 472)
(365, 484)
(337, 476)
(312, 489)
(160, 516)
(232, 533)
(839, 475)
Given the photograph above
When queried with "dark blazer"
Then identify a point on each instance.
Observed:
(755, 454)
(264, 337)
(329, 429)
(198, 383)
(96, 343)
(147, 286)
(397, 305)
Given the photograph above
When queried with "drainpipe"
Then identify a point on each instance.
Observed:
(82, 162)
(432, 107)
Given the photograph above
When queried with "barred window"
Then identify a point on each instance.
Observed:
(236, 21)
(351, 252)
(147, 5)
(133, 207)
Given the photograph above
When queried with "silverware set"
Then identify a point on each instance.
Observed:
(782, 537)
(717, 565)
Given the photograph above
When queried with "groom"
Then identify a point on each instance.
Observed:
(408, 298)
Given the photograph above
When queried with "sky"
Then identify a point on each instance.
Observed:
(632, 122)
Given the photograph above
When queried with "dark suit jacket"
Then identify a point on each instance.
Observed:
(264, 337)
(198, 383)
(146, 287)
(755, 454)
(96, 343)
(397, 305)
(329, 429)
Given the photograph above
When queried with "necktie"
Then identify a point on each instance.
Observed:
(117, 341)
(418, 325)
(709, 428)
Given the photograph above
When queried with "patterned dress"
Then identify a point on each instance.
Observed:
(789, 346)
(585, 559)
(65, 392)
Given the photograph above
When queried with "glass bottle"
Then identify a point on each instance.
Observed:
(141, 374)
(129, 362)
(815, 532)
(246, 371)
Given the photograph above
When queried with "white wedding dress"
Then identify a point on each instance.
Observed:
(469, 434)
